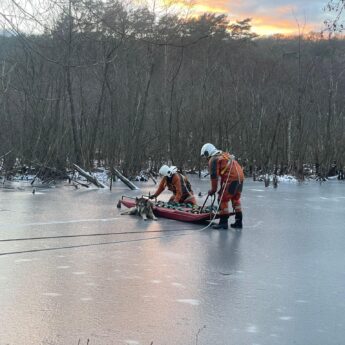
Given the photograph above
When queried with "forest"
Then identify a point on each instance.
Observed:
(116, 85)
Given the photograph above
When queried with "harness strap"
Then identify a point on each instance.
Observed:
(230, 163)
(226, 167)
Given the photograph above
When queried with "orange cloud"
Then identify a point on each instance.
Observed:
(223, 5)
(265, 21)
(198, 7)
(268, 25)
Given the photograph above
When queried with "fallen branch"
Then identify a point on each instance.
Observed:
(75, 182)
(6, 154)
(125, 180)
(151, 177)
(90, 178)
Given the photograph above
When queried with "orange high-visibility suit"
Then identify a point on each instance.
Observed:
(180, 186)
(231, 175)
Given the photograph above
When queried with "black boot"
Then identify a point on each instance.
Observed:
(223, 223)
(238, 221)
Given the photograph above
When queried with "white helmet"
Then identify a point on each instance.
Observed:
(173, 169)
(165, 170)
(208, 150)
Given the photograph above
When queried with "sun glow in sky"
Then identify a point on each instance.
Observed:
(268, 16)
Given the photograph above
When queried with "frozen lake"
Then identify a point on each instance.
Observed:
(73, 270)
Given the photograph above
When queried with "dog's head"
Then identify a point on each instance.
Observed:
(143, 202)
(140, 201)
(143, 205)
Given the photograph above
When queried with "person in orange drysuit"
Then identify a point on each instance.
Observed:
(223, 165)
(177, 183)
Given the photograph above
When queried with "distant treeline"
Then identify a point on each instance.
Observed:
(130, 89)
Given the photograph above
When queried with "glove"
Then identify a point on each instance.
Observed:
(211, 192)
(152, 196)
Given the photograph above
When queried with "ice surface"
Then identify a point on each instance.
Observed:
(278, 281)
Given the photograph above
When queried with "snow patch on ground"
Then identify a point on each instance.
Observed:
(179, 285)
(51, 294)
(285, 178)
(285, 318)
(189, 301)
(252, 329)
(301, 301)
(132, 342)
(156, 281)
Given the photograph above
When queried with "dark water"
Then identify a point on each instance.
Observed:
(279, 281)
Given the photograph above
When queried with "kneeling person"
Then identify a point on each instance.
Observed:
(177, 183)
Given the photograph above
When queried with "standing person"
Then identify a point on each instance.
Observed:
(177, 183)
(223, 165)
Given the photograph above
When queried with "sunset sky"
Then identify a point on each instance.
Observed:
(270, 16)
